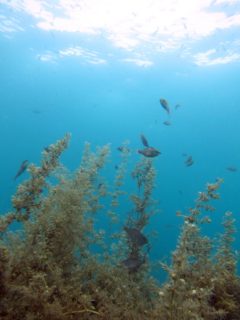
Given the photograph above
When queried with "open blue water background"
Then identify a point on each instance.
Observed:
(115, 102)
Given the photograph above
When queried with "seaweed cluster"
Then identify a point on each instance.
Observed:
(203, 283)
(59, 265)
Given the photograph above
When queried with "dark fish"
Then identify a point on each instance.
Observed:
(47, 149)
(123, 149)
(169, 226)
(189, 162)
(165, 105)
(144, 141)
(167, 123)
(149, 152)
(120, 149)
(22, 168)
(232, 169)
(36, 111)
(136, 237)
(133, 263)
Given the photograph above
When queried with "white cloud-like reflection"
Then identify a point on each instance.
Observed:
(209, 58)
(130, 24)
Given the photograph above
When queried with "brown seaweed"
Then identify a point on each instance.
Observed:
(50, 267)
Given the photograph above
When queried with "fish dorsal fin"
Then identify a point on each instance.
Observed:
(144, 141)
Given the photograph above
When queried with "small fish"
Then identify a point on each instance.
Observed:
(100, 185)
(144, 141)
(22, 168)
(135, 236)
(123, 149)
(133, 263)
(165, 105)
(179, 213)
(232, 169)
(177, 106)
(149, 152)
(189, 162)
(36, 111)
(167, 123)
(47, 149)
(120, 148)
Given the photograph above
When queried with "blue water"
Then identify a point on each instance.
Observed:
(117, 101)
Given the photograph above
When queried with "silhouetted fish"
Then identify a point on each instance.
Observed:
(99, 186)
(167, 123)
(120, 148)
(165, 105)
(189, 161)
(133, 263)
(22, 168)
(232, 169)
(149, 152)
(36, 111)
(47, 149)
(144, 141)
(136, 237)
(123, 149)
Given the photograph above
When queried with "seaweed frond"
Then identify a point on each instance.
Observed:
(28, 195)
(186, 295)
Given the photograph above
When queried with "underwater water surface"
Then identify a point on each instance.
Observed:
(98, 73)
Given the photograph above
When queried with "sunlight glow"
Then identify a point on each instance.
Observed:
(208, 58)
(90, 56)
(130, 24)
(140, 62)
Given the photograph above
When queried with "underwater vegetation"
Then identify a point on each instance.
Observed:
(61, 265)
